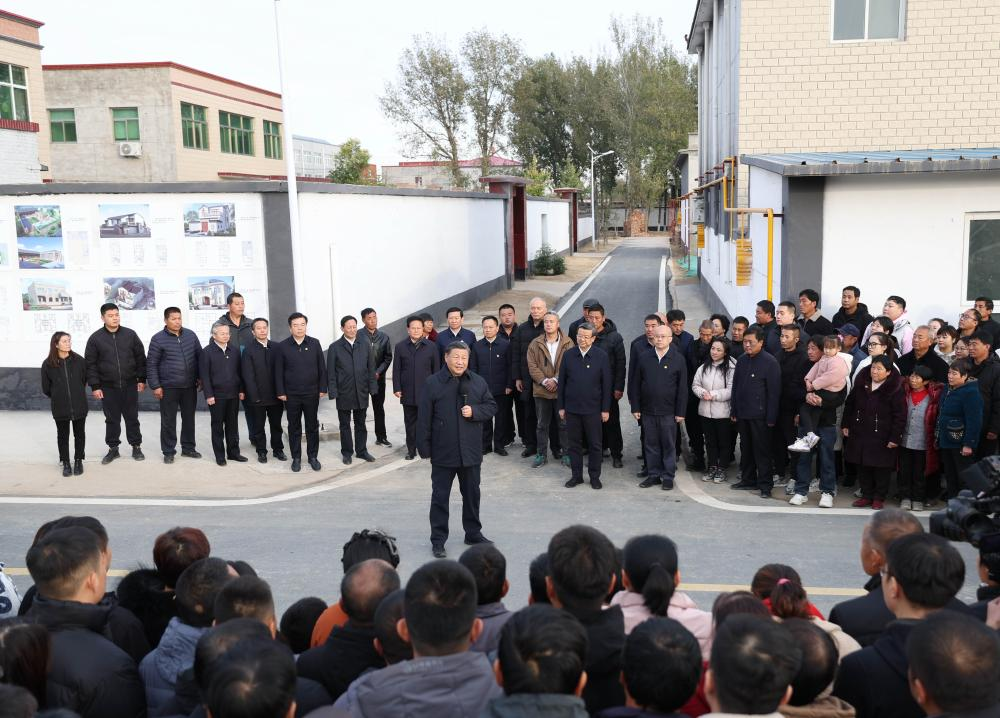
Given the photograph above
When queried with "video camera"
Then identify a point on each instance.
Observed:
(970, 516)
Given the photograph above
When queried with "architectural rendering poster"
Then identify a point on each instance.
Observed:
(39, 237)
(209, 293)
(130, 292)
(210, 219)
(45, 293)
(124, 220)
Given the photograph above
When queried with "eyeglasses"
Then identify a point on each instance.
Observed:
(875, 344)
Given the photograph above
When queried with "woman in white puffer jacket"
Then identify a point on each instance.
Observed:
(713, 385)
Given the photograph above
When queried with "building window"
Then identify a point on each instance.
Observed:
(126, 123)
(418, 181)
(236, 133)
(868, 19)
(272, 140)
(194, 126)
(62, 124)
(982, 265)
(13, 93)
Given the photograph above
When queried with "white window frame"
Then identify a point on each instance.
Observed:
(902, 25)
(968, 218)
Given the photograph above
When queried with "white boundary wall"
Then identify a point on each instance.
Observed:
(554, 217)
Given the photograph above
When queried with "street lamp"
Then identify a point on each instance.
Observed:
(594, 155)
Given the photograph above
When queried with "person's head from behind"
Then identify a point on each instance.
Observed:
(388, 643)
(753, 663)
(246, 597)
(819, 660)
(885, 527)
(214, 644)
(781, 586)
(582, 568)
(298, 621)
(735, 603)
(661, 666)
(256, 680)
(650, 566)
(364, 587)
(17, 702)
(87, 522)
(537, 571)
(24, 655)
(923, 572)
(439, 610)
(197, 588)
(176, 549)
(954, 664)
(489, 567)
(66, 565)
(369, 543)
(542, 650)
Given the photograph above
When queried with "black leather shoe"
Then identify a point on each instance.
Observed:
(367, 457)
(346, 459)
(383, 442)
(238, 457)
(262, 457)
(528, 452)
(667, 484)
(280, 456)
(606, 454)
(67, 469)
(137, 454)
(617, 462)
(168, 458)
(409, 457)
(110, 456)
(640, 457)
(500, 452)
(77, 467)
(473, 540)
(487, 450)
(573, 482)
(765, 493)
(740, 486)
(220, 462)
(296, 465)
(192, 454)
(596, 484)
(649, 482)
(315, 465)
(438, 551)
(642, 473)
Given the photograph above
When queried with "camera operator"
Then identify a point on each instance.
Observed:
(989, 578)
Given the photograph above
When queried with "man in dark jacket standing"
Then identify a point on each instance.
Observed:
(583, 399)
(794, 364)
(172, 370)
(657, 393)
(607, 338)
(755, 398)
(381, 351)
(415, 359)
(852, 311)
(923, 354)
(257, 363)
(241, 334)
(642, 343)
(350, 368)
(455, 331)
(453, 406)
(521, 339)
(810, 320)
(222, 384)
(116, 372)
(985, 368)
(764, 314)
(515, 420)
(300, 380)
(490, 358)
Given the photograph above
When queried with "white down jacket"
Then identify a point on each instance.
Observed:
(721, 388)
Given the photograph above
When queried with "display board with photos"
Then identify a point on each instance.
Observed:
(63, 256)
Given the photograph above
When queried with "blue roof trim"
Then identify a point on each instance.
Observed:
(818, 164)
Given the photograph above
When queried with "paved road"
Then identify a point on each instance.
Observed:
(296, 544)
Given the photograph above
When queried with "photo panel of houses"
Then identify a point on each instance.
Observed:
(210, 219)
(39, 237)
(209, 292)
(45, 294)
(133, 293)
(124, 220)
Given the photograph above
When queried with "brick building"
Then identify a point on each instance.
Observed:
(24, 132)
(435, 174)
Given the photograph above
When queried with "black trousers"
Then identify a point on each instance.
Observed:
(515, 418)
(718, 440)
(299, 408)
(611, 431)
(225, 415)
(755, 458)
(580, 427)
(249, 417)
(271, 415)
(497, 429)
(410, 424)
(529, 429)
(378, 408)
(360, 442)
(548, 419)
(658, 445)
(952, 465)
(79, 438)
(912, 463)
(692, 424)
(119, 403)
(442, 477)
(186, 400)
(874, 481)
(784, 433)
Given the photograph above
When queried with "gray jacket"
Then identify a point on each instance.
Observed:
(161, 667)
(540, 705)
(455, 686)
(494, 617)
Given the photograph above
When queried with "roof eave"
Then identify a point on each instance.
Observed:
(830, 169)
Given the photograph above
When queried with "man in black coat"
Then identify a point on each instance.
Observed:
(985, 368)
(455, 331)
(607, 338)
(415, 359)
(381, 351)
(520, 341)
(350, 368)
(515, 420)
(490, 358)
(222, 384)
(764, 316)
(852, 311)
(257, 364)
(584, 399)
(116, 372)
(642, 343)
(172, 370)
(810, 320)
(88, 673)
(754, 406)
(923, 354)
(984, 305)
(658, 395)
(300, 380)
(794, 364)
(453, 406)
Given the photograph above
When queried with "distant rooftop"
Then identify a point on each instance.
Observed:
(495, 161)
(877, 162)
(144, 65)
(313, 139)
(20, 18)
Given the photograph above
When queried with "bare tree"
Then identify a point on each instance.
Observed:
(493, 64)
(428, 102)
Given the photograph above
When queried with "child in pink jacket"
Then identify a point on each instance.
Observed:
(828, 374)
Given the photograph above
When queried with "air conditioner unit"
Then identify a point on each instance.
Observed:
(130, 149)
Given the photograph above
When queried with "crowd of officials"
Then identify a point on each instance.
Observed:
(606, 632)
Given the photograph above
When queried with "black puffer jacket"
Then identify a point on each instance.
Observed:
(66, 386)
(173, 360)
(145, 594)
(115, 358)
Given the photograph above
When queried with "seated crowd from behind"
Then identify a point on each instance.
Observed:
(606, 633)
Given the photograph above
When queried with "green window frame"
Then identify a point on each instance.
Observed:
(14, 93)
(125, 121)
(62, 125)
(272, 140)
(235, 133)
(194, 126)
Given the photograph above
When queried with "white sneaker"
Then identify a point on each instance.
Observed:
(776, 480)
(797, 500)
(858, 493)
(826, 501)
(790, 487)
(814, 486)
(811, 439)
(918, 506)
(800, 446)
(906, 505)
(719, 477)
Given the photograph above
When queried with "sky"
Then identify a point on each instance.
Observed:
(338, 55)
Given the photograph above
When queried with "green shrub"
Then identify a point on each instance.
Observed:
(548, 262)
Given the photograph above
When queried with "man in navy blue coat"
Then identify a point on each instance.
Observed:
(172, 373)
(755, 402)
(583, 399)
(300, 379)
(455, 331)
(453, 405)
(490, 358)
(413, 360)
(222, 384)
(657, 393)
